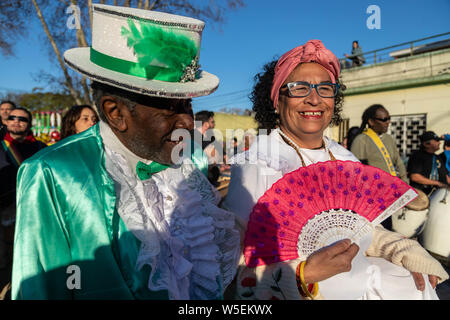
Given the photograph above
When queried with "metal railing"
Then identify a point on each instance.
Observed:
(383, 55)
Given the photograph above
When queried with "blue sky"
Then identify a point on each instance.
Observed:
(266, 29)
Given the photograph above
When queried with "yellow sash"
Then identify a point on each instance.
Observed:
(380, 145)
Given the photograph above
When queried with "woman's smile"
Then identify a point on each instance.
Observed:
(305, 118)
(311, 115)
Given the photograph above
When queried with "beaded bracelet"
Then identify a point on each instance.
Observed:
(310, 290)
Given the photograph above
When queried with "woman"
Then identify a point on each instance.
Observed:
(300, 113)
(78, 119)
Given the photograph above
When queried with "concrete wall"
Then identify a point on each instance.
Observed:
(426, 66)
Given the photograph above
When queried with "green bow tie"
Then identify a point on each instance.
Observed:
(145, 171)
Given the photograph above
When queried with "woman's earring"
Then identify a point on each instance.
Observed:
(276, 110)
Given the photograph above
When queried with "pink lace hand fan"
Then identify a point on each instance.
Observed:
(317, 205)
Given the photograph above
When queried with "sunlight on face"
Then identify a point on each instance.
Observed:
(303, 118)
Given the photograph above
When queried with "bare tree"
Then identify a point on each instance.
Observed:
(68, 82)
(57, 37)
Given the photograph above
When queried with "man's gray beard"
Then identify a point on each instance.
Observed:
(142, 150)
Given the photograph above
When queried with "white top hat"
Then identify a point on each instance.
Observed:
(148, 52)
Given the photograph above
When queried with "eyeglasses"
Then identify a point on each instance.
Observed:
(22, 119)
(383, 119)
(302, 89)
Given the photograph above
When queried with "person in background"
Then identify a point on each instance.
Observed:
(351, 135)
(17, 145)
(427, 169)
(356, 56)
(446, 138)
(5, 108)
(78, 119)
(248, 140)
(233, 148)
(226, 157)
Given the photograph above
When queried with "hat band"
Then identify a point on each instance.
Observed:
(134, 69)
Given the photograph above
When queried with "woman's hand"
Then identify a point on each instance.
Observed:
(420, 281)
(329, 261)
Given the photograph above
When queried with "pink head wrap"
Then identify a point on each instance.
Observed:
(312, 51)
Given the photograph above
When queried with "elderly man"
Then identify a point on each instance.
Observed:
(5, 108)
(426, 169)
(207, 124)
(374, 146)
(110, 213)
(446, 152)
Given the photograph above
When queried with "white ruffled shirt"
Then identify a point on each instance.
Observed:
(190, 243)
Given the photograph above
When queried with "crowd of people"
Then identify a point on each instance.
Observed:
(424, 170)
(110, 199)
(19, 144)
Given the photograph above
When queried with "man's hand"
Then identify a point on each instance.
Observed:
(420, 281)
(330, 260)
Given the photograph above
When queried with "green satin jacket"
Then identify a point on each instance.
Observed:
(70, 242)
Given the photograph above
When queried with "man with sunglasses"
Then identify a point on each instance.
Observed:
(375, 147)
(427, 169)
(17, 145)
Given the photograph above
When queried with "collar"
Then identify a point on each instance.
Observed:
(113, 143)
